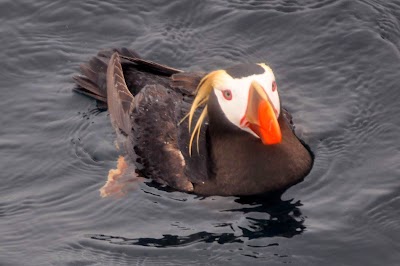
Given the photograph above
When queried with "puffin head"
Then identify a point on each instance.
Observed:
(248, 97)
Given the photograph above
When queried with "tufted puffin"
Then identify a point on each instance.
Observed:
(218, 133)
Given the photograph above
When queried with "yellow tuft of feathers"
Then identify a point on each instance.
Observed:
(212, 80)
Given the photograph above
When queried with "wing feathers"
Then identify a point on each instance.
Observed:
(187, 82)
(119, 100)
(152, 66)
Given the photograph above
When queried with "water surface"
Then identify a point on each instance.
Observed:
(337, 65)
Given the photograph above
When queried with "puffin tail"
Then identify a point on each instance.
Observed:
(92, 81)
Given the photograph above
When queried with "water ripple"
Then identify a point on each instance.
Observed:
(337, 65)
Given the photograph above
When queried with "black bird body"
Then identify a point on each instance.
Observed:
(148, 102)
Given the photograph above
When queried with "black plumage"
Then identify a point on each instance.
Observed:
(244, 70)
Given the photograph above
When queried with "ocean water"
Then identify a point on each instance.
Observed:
(337, 65)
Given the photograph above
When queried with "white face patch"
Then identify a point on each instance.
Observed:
(235, 107)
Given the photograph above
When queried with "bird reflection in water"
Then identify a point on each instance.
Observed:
(284, 220)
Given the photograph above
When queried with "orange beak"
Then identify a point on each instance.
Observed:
(261, 116)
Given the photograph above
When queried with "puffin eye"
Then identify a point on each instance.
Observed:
(273, 86)
(227, 94)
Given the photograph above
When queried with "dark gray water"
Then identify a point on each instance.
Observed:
(337, 65)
